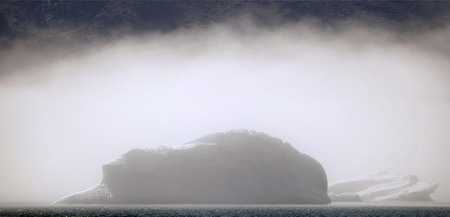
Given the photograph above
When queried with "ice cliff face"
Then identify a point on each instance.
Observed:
(382, 187)
(237, 167)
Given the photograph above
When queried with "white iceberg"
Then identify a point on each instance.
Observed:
(344, 197)
(99, 194)
(383, 187)
(238, 167)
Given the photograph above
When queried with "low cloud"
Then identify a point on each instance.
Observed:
(356, 99)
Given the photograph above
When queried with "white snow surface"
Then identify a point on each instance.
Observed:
(236, 167)
(383, 186)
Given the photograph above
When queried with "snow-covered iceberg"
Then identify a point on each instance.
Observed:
(382, 187)
(237, 167)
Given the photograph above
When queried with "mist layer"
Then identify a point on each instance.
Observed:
(365, 95)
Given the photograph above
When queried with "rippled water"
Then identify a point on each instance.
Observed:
(195, 210)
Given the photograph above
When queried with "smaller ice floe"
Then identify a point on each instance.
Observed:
(382, 187)
(98, 194)
(345, 197)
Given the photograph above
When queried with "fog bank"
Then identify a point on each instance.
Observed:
(356, 99)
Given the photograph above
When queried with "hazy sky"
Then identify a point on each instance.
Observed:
(358, 100)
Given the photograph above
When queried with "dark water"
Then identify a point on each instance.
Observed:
(187, 210)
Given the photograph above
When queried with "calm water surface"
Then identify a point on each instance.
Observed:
(214, 210)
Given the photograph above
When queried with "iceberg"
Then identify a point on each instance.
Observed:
(236, 167)
(344, 197)
(96, 195)
(382, 186)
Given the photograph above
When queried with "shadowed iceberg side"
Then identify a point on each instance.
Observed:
(237, 167)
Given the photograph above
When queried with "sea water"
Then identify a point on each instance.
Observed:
(232, 210)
